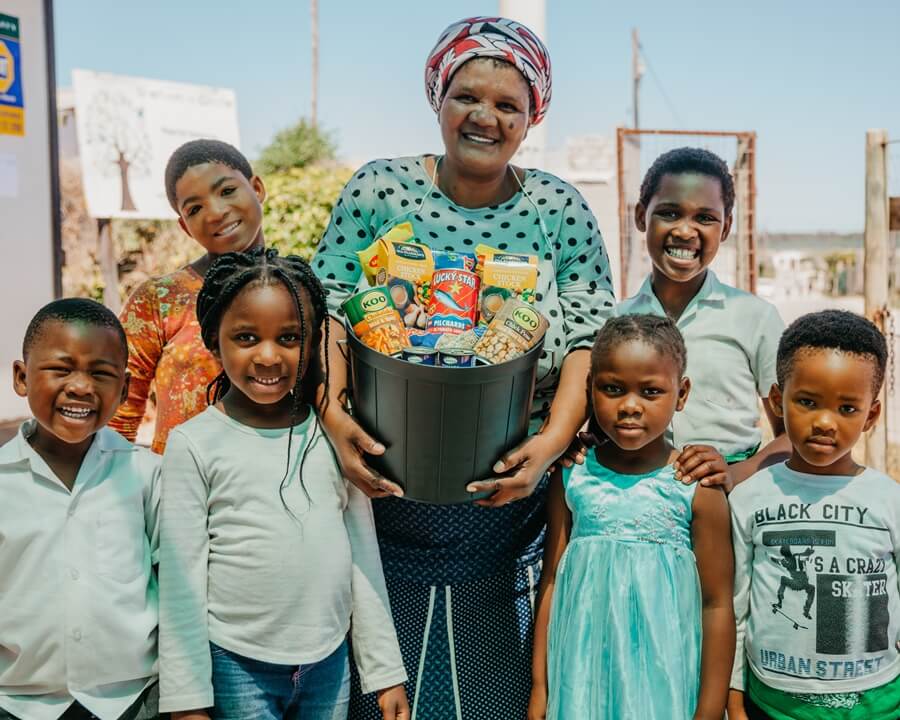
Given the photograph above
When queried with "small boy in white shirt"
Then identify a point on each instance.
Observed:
(817, 541)
(78, 531)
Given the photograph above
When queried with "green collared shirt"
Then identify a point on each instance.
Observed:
(732, 339)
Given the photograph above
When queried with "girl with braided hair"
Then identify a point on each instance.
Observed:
(264, 557)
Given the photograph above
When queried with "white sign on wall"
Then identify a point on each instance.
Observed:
(128, 128)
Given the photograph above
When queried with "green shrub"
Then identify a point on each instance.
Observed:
(300, 145)
(298, 207)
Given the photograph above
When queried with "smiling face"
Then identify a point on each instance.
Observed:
(635, 391)
(484, 116)
(259, 347)
(827, 402)
(685, 223)
(220, 208)
(75, 379)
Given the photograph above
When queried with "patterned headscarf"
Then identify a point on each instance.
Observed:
(494, 37)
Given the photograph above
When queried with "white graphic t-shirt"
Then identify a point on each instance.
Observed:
(815, 595)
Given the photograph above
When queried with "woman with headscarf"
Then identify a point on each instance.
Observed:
(462, 578)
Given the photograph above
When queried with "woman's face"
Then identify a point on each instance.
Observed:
(484, 116)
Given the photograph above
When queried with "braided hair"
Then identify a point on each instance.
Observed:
(658, 332)
(228, 275)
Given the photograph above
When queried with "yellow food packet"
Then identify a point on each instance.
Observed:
(481, 251)
(368, 258)
(406, 269)
(506, 275)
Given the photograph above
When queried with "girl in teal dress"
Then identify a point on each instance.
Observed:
(634, 612)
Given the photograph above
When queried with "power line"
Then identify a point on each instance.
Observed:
(659, 86)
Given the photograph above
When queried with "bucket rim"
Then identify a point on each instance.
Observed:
(475, 375)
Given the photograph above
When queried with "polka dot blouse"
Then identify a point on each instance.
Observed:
(549, 219)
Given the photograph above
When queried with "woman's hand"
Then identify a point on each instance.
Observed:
(537, 703)
(703, 464)
(528, 463)
(393, 703)
(351, 444)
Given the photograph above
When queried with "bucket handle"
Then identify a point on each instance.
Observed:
(343, 349)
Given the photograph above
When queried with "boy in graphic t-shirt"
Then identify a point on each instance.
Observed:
(816, 541)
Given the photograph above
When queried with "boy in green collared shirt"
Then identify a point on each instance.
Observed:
(685, 210)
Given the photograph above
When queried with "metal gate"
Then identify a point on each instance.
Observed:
(637, 149)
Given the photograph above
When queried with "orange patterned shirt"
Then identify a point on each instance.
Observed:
(165, 348)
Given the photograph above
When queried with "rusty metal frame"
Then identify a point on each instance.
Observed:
(748, 136)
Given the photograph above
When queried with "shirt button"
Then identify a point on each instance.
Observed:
(75, 574)
(76, 635)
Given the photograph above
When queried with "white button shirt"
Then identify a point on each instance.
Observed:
(732, 340)
(78, 596)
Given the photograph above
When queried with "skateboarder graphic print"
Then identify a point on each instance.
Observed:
(797, 579)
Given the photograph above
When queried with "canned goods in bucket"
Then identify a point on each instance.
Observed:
(456, 358)
(376, 321)
(420, 355)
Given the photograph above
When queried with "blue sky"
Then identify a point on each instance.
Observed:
(808, 77)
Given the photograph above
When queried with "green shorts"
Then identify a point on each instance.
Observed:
(879, 703)
(741, 456)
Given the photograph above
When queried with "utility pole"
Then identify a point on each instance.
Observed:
(314, 18)
(636, 72)
(876, 272)
(109, 268)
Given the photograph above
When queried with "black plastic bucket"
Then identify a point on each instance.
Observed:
(442, 427)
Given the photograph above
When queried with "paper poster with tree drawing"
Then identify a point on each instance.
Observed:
(118, 138)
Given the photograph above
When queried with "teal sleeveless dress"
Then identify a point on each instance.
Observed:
(624, 636)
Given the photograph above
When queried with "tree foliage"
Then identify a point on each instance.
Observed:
(299, 205)
(118, 133)
(298, 146)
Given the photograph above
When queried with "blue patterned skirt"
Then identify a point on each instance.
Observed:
(462, 582)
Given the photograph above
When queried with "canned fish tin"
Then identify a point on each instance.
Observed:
(453, 305)
(456, 358)
(420, 355)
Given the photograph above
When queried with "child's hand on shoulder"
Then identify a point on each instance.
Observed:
(703, 464)
(537, 703)
(393, 703)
